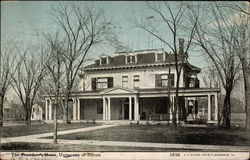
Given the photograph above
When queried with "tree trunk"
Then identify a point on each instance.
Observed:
(1, 110)
(175, 109)
(28, 116)
(247, 96)
(66, 109)
(227, 110)
(176, 105)
(55, 124)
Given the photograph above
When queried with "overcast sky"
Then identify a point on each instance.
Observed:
(22, 20)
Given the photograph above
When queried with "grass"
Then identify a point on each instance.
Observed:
(18, 146)
(165, 134)
(22, 130)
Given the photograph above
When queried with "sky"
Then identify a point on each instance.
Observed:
(21, 21)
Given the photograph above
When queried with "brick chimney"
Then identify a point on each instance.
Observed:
(181, 45)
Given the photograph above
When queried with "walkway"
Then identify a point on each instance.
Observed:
(37, 138)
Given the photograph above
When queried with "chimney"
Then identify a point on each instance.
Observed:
(181, 45)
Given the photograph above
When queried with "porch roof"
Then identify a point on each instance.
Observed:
(147, 92)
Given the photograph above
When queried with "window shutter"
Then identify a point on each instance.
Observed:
(197, 83)
(157, 80)
(196, 107)
(93, 83)
(110, 82)
(171, 78)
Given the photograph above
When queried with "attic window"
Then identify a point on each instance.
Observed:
(104, 61)
(131, 59)
(159, 57)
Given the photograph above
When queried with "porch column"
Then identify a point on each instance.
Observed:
(46, 109)
(209, 107)
(50, 109)
(130, 108)
(170, 111)
(78, 109)
(104, 108)
(216, 107)
(74, 108)
(177, 113)
(186, 105)
(109, 111)
(136, 109)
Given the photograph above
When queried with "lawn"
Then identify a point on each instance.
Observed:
(165, 134)
(18, 146)
(22, 130)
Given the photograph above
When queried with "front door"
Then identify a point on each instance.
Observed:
(126, 110)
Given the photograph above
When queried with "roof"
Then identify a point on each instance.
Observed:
(146, 90)
(144, 58)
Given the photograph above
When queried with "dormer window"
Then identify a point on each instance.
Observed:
(131, 59)
(104, 60)
(159, 57)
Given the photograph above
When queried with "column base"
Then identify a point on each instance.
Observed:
(212, 122)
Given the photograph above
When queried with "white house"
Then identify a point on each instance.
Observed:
(137, 85)
(37, 112)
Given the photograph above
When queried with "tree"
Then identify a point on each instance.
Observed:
(242, 7)
(214, 36)
(7, 67)
(28, 76)
(241, 41)
(210, 78)
(175, 19)
(55, 77)
(81, 29)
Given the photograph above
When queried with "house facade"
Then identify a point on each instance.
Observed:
(12, 111)
(37, 111)
(140, 85)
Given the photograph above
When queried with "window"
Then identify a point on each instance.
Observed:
(7, 112)
(163, 80)
(104, 61)
(99, 107)
(193, 83)
(101, 83)
(125, 81)
(131, 59)
(136, 80)
(159, 57)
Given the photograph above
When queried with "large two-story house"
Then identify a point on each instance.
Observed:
(139, 85)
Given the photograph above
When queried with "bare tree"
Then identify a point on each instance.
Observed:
(210, 77)
(214, 36)
(54, 79)
(241, 42)
(28, 76)
(239, 6)
(7, 67)
(80, 28)
(175, 18)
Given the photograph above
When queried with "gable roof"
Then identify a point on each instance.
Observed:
(119, 90)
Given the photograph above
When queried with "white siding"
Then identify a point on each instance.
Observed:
(147, 76)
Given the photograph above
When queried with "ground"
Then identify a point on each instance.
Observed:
(165, 134)
(22, 130)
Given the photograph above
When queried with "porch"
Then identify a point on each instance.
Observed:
(120, 103)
